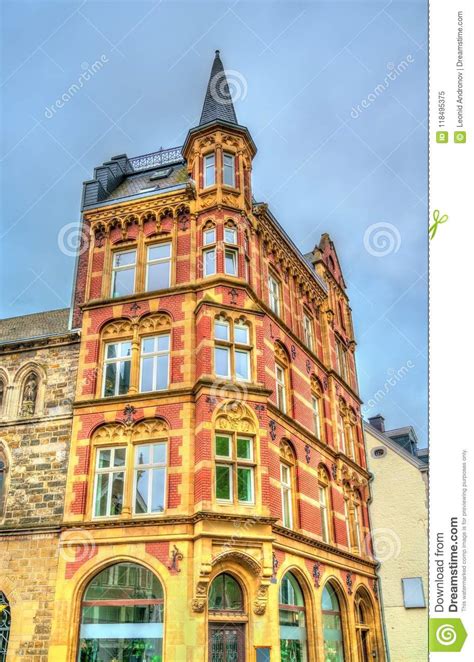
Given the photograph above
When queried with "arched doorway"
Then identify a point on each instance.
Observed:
(226, 620)
(364, 617)
(332, 626)
(122, 616)
(5, 622)
(293, 635)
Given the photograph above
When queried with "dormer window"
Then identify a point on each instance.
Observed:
(229, 169)
(209, 170)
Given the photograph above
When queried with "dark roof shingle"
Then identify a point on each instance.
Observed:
(36, 325)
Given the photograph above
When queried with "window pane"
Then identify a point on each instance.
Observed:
(286, 507)
(159, 453)
(230, 236)
(112, 350)
(100, 507)
(146, 383)
(223, 483)
(221, 330)
(141, 491)
(148, 345)
(222, 446)
(119, 457)
(125, 349)
(124, 282)
(209, 170)
(162, 378)
(158, 490)
(109, 380)
(124, 258)
(210, 262)
(245, 484)
(159, 252)
(142, 454)
(241, 334)
(209, 236)
(158, 276)
(244, 449)
(231, 263)
(104, 458)
(163, 342)
(124, 377)
(221, 358)
(242, 365)
(117, 494)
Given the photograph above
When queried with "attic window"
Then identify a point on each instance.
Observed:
(379, 452)
(161, 174)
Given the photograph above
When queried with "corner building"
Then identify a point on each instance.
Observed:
(217, 488)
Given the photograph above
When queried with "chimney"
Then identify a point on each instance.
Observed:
(378, 422)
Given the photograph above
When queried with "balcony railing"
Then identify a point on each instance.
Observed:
(157, 159)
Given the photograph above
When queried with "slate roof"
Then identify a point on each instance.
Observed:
(135, 183)
(37, 325)
(218, 103)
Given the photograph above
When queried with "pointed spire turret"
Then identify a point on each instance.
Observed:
(218, 103)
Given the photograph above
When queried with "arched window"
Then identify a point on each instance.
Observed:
(3, 480)
(2, 395)
(5, 622)
(287, 484)
(293, 637)
(122, 615)
(332, 625)
(225, 594)
(366, 639)
(226, 637)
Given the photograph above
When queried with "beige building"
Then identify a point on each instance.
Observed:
(399, 518)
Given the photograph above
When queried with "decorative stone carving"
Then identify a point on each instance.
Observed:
(260, 602)
(241, 557)
(236, 417)
(152, 323)
(30, 394)
(149, 428)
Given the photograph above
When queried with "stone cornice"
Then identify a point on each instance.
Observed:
(28, 344)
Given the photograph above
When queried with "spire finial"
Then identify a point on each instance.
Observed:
(218, 104)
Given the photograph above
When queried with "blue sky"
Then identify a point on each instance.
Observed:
(342, 144)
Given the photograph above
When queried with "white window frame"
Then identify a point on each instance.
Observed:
(316, 407)
(228, 168)
(208, 251)
(324, 509)
(124, 267)
(209, 166)
(155, 354)
(110, 470)
(286, 491)
(232, 229)
(308, 331)
(116, 360)
(235, 258)
(281, 387)
(206, 233)
(160, 260)
(357, 526)
(149, 468)
(242, 348)
(274, 294)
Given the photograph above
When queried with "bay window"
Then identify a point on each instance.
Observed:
(234, 469)
(209, 170)
(229, 169)
(232, 350)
